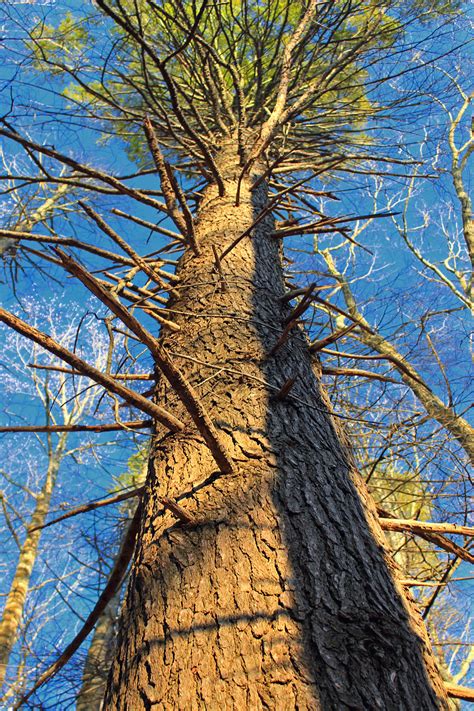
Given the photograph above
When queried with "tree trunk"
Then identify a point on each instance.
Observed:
(101, 649)
(16, 599)
(282, 594)
(99, 659)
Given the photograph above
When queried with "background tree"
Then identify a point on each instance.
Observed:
(31, 377)
(101, 649)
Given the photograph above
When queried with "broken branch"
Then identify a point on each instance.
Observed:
(332, 338)
(177, 510)
(137, 259)
(436, 538)
(91, 507)
(412, 525)
(107, 381)
(285, 389)
(358, 372)
(174, 376)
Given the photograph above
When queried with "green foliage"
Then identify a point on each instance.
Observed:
(135, 473)
(60, 46)
(228, 70)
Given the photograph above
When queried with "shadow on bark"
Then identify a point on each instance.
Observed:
(363, 648)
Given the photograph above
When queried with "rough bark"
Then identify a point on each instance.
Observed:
(281, 594)
(16, 598)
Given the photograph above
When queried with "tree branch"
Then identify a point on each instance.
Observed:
(460, 692)
(92, 506)
(413, 526)
(174, 376)
(107, 381)
(133, 425)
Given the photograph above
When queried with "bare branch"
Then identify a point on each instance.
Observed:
(114, 581)
(460, 692)
(92, 506)
(107, 381)
(114, 427)
(413, 526)
(181, 386)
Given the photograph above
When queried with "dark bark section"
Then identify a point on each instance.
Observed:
(282, 594)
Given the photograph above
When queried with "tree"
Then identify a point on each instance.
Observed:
(101, 649)
(261, 575)
(64, 405)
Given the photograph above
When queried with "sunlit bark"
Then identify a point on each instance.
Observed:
(280, 592)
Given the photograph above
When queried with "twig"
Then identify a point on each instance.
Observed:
(332, 338)
(148, 225)
(107, 381)
(303, 305)
(358, 372)
(292, 319)
(86, 170)
(169, 186)
(309, 227)
(174, 376)
(285, 389)
(117, 376)
(148, 293)
(337, 309)
(92, 506)
(282, 339)
(155, 313)
(188, 218)
(290, 295)
(222, 281)
(66, 242)
(177, 510)
(355, 356)
(137, 259)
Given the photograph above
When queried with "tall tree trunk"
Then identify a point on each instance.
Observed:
(16, 599)
(99, 659)
(282, 595)
(101, 649)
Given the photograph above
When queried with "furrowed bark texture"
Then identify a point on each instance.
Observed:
(281, 595)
